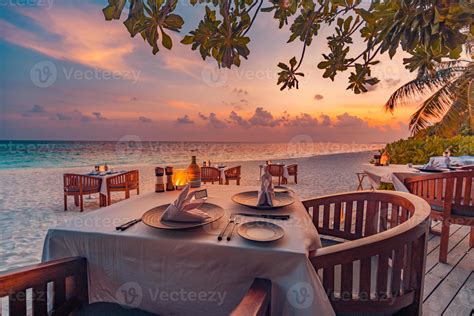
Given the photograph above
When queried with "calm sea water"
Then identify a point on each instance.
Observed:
(58, 154)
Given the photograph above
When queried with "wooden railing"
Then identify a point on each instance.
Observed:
(69, 287)
(381, 266)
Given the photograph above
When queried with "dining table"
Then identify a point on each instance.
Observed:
(189, 271)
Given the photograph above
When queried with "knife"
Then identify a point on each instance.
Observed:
(269, 216)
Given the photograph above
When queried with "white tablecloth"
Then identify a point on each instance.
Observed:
(460, 160)
(103, 186)
(189, 272)
(395, 174)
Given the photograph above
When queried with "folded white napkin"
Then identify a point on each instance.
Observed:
(266, 194)
(185, 210)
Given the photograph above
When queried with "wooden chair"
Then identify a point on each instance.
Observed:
(79, 185)
(276, 171)
(232, 174)
(210, 174)
(124, 182)
(293, 171)
(380, 268)
(467, 168)
(451, 197)
(70, 294)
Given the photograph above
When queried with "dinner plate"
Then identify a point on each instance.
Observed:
(153, 217)
(261, 231)
(249, 199)
(281, 189)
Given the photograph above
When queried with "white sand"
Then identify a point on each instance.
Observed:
(31, 200)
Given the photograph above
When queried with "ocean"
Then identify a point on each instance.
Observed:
(70, 154)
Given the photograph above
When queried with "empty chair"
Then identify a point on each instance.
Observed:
(79, 185)
(450, 196)
(70, 292)
(124, 182)
(293, 171)
(210, 174)
(379, 269)
(276, 171)
(232, 174)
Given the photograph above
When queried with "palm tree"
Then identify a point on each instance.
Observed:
(450, 102)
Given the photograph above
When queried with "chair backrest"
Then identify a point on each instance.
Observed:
(275, 170)
(129, 178)
(448, 191)
(292, 169)
(69, 284)
(81, 183)
(233, 172)
(381, 267)
(210, 173)
(467, 168)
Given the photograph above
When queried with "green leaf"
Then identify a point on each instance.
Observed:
(166, 40)
(188, 39)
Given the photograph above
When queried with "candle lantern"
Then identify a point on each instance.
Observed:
(160, 185)
(385, 159)
(180, 178)
(377, 159)
(169, 178)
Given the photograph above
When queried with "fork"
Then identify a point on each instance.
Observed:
(236, 222)
(231, 220)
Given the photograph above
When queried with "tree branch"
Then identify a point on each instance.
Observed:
(254, 16)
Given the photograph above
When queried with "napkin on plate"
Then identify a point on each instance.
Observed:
(266, 194)
(185, 210)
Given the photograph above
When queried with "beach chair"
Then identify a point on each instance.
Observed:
(450, 195)
(124, 182)
(232, 174)
(79, 185)
(379, 267)
(210, 174)
(70, 292)
(276, 171)
(293, 171)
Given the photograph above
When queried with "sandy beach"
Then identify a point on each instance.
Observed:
(31, 200)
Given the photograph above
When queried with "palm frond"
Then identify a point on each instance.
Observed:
(434, 108)
(420, 87)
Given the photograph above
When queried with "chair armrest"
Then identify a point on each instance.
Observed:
(257, 300)
(67, 295)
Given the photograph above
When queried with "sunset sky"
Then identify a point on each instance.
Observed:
(108, 85)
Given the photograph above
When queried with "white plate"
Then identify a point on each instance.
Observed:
(261, 231)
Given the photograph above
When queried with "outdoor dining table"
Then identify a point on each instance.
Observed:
(394, 174)
(189, 271)
(104, 176)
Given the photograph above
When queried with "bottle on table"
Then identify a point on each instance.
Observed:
(194, 173)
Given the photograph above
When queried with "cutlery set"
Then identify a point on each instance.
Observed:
(129, 224)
